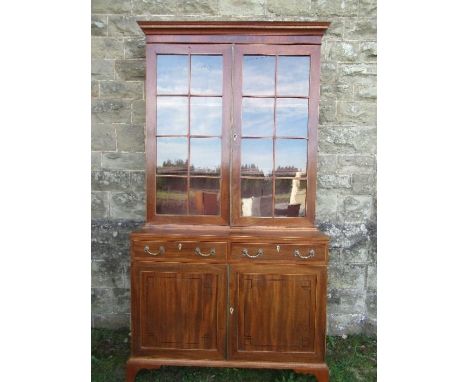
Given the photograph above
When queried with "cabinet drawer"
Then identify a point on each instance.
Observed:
(180, 250)
(300, 252)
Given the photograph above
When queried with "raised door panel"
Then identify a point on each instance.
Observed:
(278, 313)
(180, 310)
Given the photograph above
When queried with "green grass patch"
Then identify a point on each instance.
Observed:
(353, 359)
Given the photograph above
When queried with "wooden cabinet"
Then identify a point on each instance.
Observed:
(230, 270)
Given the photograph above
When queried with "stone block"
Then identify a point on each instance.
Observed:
(94, 89)
(123, 161)
(365, 92)
(367, 8)
(356, 164)
(289, 8)
(102, 69)
(346, 302)
(365, 74)
(335, 30)
(130, 70)
(122, 89)
(352, 276)
(339, 324)
(244, 7)
(107, 48)
(102, 300)
(326, 205)
(334, 256)
(111, 111)
(197, 7)
(138, 181)
(111, 6)
(127, 205)
(112, 321)
(358, 254)
(347, 140)
(360, 29)
(99, 204)
(371, 282)
(98, 25)
(123, 26)
(328, 71)
(355, 208)
(95, 160)
(357, 113)
(156, 7)
(135, 47)
(327, 112)
(341, 51)
(368, 51)
(333, 181)
(130, 138)
(371, 303)
(105, 180)
(139, 112)
(326, 8)
(345, 236)
(364, 184)
(327, 163)
(341, 91)
(103, 137)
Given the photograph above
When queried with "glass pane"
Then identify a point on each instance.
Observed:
(257, 157)
(207, 75)
(257, 117)
(205, 156)
(171, 195)
(290, 197)
(172, 116)
(204, 196)
(206, 115)
(172, 74)
(172, 156)
(256, 197)
(258, 75)
(291, 157)
(291, 117)
(293, 75)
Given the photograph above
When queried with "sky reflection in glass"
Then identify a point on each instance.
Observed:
(172, 74)
(172, 115)
(257, 116)
(258, 75)
(291, 117)
(290, 157)
(207, 75)
(257, 157)
(206, 115)
(205, 156)
(293, 75)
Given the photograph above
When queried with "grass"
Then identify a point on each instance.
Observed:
(353, 359)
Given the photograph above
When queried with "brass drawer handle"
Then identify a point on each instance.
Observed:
(200, 253)
(245, 252)
(297, 253)
(160, 252)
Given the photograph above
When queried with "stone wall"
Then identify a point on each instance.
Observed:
(346, 195)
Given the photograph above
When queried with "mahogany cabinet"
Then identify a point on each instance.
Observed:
(229, 269)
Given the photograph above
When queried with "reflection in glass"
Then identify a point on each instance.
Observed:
(293, 75)
(291, 117)
(291, 157)
(258, 75)
(172, 155)
(256, 197)
(256, 157)
(207, 75)
(204, 196)
(290, 197)
(172, 115)
(172, 74)
(257, 117)
(206, 115)
(171, 195)
(205, 156)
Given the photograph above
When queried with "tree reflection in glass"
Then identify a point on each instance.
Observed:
(207, 75)
(291, 157)
(291, 117)
(257, 117)
(205, 156)
(293, 75)
(172, 156)
(206, 115)
(258, 75)
(256, 157)
(172, 115)
(172, 74)
(290, 197)
(171, 195)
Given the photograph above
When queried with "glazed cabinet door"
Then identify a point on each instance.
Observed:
(277, 312)
(179, 310)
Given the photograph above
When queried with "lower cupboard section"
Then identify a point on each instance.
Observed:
(265, 312)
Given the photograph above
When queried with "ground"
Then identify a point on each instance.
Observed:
(350, 359)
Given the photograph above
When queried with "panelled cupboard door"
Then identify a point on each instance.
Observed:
(179, 310)
(278, 313)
